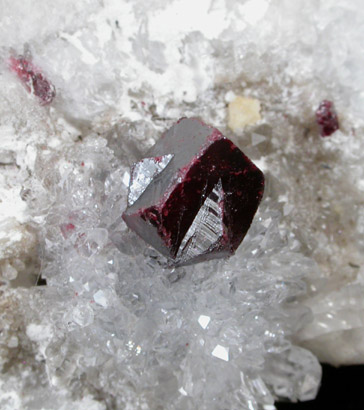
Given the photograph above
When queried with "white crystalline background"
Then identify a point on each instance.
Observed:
(114, 328)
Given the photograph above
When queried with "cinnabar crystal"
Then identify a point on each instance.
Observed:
(33, 79)
(326, 118)
(195, 195)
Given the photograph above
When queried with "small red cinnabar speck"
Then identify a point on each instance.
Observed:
(67, 229)
(326, 118)
(34, 81)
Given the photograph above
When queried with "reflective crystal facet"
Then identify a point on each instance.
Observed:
(194, 197)
(206, 229)
(142, 174)
(204, 321)
(221, 352)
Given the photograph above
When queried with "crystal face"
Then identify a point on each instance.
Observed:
(195, 195)
(326, 118)
(142, 174)
(221, 352)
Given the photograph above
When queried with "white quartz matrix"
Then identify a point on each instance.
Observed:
(114, 328)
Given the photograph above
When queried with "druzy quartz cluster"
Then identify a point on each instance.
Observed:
(143, 334)
(194, 197)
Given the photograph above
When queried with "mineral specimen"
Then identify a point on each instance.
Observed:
(326, 118)
(195, 195)
(33, 79)
(113, 328)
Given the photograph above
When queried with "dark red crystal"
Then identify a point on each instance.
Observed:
(33, 80)
(201, 203)
(326, 118)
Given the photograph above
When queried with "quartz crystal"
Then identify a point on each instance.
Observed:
(195, 195)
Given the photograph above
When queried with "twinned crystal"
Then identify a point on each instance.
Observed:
(195, 195)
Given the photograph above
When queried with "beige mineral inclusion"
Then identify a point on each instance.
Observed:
(243, 111)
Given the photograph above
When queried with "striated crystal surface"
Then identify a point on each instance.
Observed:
(207, 229)
(195, 198)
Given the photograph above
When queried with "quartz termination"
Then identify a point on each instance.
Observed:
(195, 195)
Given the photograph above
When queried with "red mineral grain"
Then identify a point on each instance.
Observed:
(326, 118)
(32, 78)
